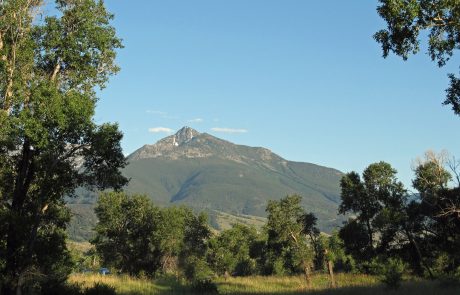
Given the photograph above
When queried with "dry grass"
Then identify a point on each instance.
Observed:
(123, 284)
(348, 284)
(294, 284)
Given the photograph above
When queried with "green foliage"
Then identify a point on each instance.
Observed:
(100, 289)
(332, 248)
(392, 273)
(437, 212)
(205, 286)
(230, 251)
(49, 143)
(378, 202)
(192, 257)
(67, 289)
(450, 279)
(135, 237)
(124, 232)
(292, 234)
(406, 20)
(278, 267)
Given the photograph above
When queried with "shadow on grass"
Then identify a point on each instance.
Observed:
(169, 286)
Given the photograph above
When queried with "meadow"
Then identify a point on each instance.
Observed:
(347, 284)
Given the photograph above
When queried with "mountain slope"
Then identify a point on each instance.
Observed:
(232, 183)
(205, 172)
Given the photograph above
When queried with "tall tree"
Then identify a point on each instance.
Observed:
(230, 251)
(124, 233)
(407, 19)
(367, 198)
(49, 144)
(290, 231)
(439, 208)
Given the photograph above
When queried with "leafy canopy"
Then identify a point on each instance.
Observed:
(50, 68)
(408, 19)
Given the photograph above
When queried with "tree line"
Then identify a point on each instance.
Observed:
(389, 228)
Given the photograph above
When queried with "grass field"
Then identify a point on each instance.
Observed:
(348, 284)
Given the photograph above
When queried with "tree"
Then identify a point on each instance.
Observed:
(289, 229)
(367, 198)
(169, 236)
(333, 252)
(230, 251)
(49, 143)
(193, 253)
(439, 208)
(136, 237)
(407, 19)
(124, 234)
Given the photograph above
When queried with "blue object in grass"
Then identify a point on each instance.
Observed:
(104, 271)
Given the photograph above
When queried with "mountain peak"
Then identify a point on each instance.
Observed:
(184, 134)
(189, 143)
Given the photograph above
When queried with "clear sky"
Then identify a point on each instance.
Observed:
(302, 78)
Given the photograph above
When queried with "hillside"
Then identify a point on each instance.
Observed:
(207, 173)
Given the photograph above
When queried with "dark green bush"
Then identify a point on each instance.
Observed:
(204, 286)
(392, 273)
(245, 267)
(100, 289)
(450, 280)
(67, 289)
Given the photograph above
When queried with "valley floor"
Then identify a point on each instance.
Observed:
(348, 284)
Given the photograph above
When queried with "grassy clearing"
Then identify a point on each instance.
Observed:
(294, 284)
(226, 220)
(126, 285)
(348, 285)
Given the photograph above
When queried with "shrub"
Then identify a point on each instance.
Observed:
(196, 269)
(245, 267)
(67, 289)
(278, 267)
(346, 263)
(204, 286)
(373, 267)
(450, 280)
(392, 273)
(100, 289)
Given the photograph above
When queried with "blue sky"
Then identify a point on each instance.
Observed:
(302, 78)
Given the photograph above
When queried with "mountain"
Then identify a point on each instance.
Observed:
(203, 171)
(225, 179)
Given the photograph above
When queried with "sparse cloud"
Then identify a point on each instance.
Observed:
(160, 130)
(161, 114)
(156, 112)
(229, 130)
(196, 120)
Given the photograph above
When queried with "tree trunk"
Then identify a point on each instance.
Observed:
(369, 232)
(15, 244)
(418, 253)
(330, 268)
(20, 283)
(307, 275)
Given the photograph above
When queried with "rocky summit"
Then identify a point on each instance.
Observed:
(188, 143)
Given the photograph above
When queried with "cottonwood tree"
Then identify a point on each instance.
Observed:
(230, 251)
(50, 66)
(290, 231)
(439, 208)
(408, 19)
(372, 199)
(124, 233)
